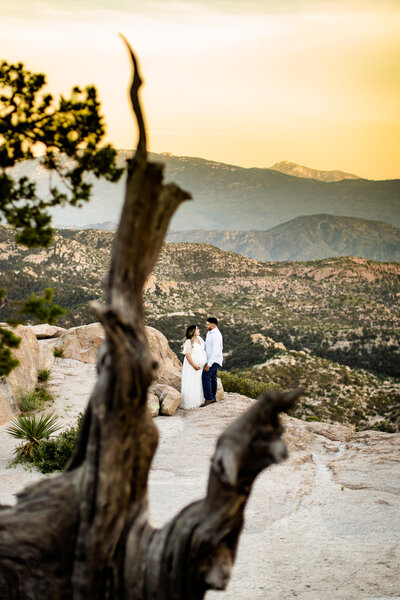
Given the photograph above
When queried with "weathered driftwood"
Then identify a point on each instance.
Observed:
(85, 534)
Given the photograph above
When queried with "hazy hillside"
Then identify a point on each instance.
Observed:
(299, 171)
(233, 198)
(229, 197)
(306, 238)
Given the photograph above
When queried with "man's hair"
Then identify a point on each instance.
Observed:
(212, 320)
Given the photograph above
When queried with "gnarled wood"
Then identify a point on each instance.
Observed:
(85, 534)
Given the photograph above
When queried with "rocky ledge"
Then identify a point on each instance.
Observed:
(323, 524)
(40, 344)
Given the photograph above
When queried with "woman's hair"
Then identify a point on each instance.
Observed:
(189, 335)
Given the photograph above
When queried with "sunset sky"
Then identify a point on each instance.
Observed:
(250, 83)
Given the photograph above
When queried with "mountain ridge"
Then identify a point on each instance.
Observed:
(290, 168)
(308, 237)
(228, 197)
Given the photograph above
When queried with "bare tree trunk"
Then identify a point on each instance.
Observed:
(85, 534)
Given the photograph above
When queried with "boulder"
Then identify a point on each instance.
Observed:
(23, 377)
(168, 397)
(82, 343)
(220, 391)
(8, 404)
(153, 404)
(44, 331)
(331, 431)
(170, 401)
(46, 352)
(169, 365)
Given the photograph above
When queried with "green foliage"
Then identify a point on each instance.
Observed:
(32, 122)
(66, 134)
(58, 352)
(29, 401)
(32, 429)
(242, 385)
(7, 341)
(43, 308)
(43, 375)
(384, 426)
(333, 393)
(53, 455)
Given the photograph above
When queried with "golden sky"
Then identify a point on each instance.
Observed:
(250, 83)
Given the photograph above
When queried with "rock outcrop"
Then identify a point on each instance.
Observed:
(44, 331)
(81, 345)
(23, 377)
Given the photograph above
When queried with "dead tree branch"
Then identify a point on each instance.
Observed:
(85, 534)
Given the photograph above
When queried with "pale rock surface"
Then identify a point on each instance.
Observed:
(71, 383)
(153, 404)
(267, 342)
(168, 397)
(170, 400)
(322, 525)
(82, 343)
(220, 391)
(44, 331)
(46, 353)
(7, 402)
(169, 365)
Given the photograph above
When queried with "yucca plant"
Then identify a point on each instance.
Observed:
(32, 429)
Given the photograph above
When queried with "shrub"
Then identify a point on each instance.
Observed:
(242, 385)
(32, 429)
(58, 352)
(53, 455)
(29, 401)
(384, 426)
(43, 375)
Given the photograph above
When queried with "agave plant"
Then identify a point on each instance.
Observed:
(32, 429)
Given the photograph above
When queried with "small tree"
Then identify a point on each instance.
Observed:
(86, 534)
(66, 134)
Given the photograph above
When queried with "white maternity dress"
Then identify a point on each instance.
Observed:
(192, 386)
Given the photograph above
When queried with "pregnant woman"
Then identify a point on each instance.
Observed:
(193, 363)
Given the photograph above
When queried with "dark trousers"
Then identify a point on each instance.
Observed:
(210, 382)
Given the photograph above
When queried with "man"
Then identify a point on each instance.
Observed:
(214, 360)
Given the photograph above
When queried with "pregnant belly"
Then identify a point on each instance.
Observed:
(199, 358)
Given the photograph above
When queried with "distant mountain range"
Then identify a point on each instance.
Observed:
(303, 238)
(306, 238)
(227, 197)
(290, 168)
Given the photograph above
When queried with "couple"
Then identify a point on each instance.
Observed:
(200, 365)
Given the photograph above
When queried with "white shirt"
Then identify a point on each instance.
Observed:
(214, 347)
